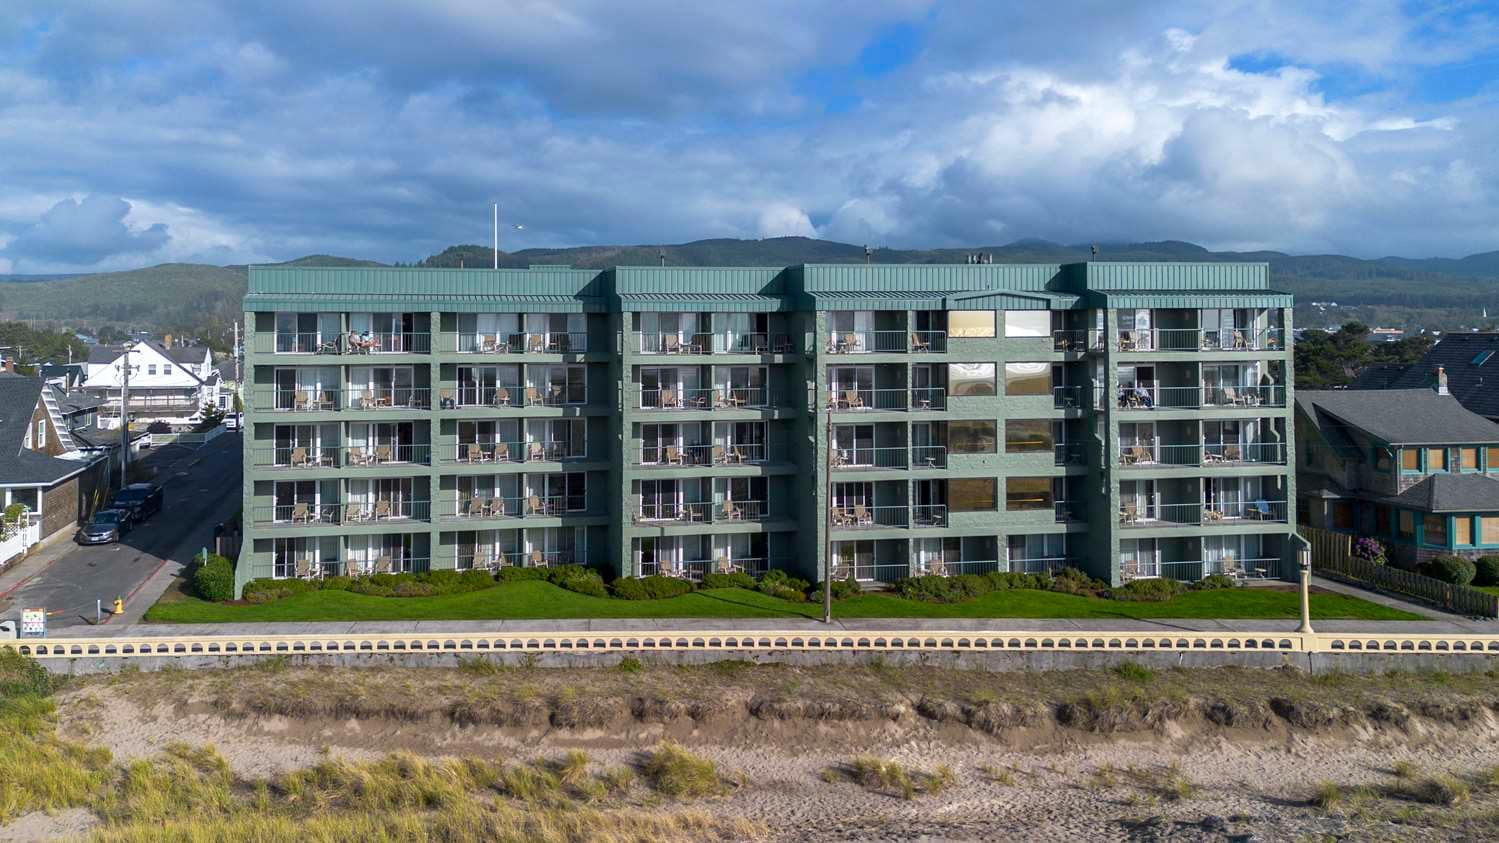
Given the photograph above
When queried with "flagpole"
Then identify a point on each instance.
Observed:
(496, 235)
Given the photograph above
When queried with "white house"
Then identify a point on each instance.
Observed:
(168, 383)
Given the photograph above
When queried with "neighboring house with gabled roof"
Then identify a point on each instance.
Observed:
(168, 382)
(1468, 362)
(1411, 467)
(41, 464)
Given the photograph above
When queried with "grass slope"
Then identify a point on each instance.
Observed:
(542, 600)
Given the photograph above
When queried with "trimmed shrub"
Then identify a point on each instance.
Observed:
(1006, 580)
(738, 579)
(649, 588)
(778, 579)
(1074, 581)
(473, 580)
(586, 582)
(265, 590)
(842, 589)
(412, 588)
(783, 592)
(336, 583)
(1213, 582)
(1148, 591)
(514, 574)
(213, 579)
(1487, 568)
(1453, 569)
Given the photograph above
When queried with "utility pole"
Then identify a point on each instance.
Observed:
(125, 417)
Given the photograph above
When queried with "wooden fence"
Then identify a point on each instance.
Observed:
(1332, 555)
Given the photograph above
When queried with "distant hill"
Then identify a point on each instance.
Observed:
(202, 300)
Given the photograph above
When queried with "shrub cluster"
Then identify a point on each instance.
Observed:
(1487, 568)
(961, 587)
(738, 579)
(1148, 591)
(782, 585)
(1213, 582)
(1369, 549)
(377, 585)
(649, 588)
(1453, 569)
(213, 578)
(842, 589)
(571, 577)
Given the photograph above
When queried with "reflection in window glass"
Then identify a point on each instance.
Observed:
(970, 378)
(972, 437)
(971, 495)
(970, 323)
(1023, 436)
(1436, 459)
(1462, 530)
(1027, 323)
(1489, 529)
(1027, 379)
(1407, 524)
(1436, 530)
(1025, 493)
(1469, 457)
(1410, 459)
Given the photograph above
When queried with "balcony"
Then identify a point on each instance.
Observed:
(301, 400)
(928, 456)
(1149, 397)
(1168, 340)
(491, 507)
(670, 456)
(1068, 453)
(544, 342)
(501, 453)
(871, 342)
(706, 398)
(860, 516)
(1193, 514)
(1051, 565)
(929, 515)
(324, 513)
(397, 342)
(694, 569)
(1193, 570)
(935, 341)
(700, 512)
(858, 457)
(513, 559)
(389, 398)
(338, 456)
(710, 343)
(846, 399)
(1150, 454)
(1244, 453)
(1076, 340)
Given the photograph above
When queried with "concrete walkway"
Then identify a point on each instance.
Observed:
(1394, 601)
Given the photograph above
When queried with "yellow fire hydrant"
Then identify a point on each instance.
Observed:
(119, 608)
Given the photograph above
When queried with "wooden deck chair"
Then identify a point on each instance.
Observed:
(299, 401)
(303, 568)
(326, 402)
(1232, 396)
(1131, 514)
(383, 454)
(478, 507)
(382, 509)
(919, 344)
(731, 512)
(1231, 453)
(736, 455)
(673, 455)
(384, 565)
(536, 560)
(533, 396)
(502, 397)
(356, 456)
(1140, 454)
(501, 452)
(852, 400)
(862, 516)
(353, 513)
(298, 456)
(850, 342)
(535, 506)
(300, 513)
(724, 565)
(353, 568)
(720, 456)
(535, 343)
(535, 452)
(476, 453)
(496, 508)
(668, 398)
(670, 344)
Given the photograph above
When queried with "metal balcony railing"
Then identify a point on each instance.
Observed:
(713, 343)
(1068, 453)
(928, 341)
(928, 456)
(352, 512)
(1268, 395)
(929, 515)
(1072, 340)
(694, 569)
(1255, 510)
(1198, 339)
(498, 559)
(1041, 564)
(675, 342)
(1229, 453)
(341, 456)
(1067, 397)
(859, 515)
(867, 342)
(1150, 454)
(843, 398)
(1066, 512)
(928, 398)
(510, 395)
(868, 457)
(487, 506)
(703, 454)
(952, 567)
(476, 453)
(516, 342)
(385, 342)
(389, 398)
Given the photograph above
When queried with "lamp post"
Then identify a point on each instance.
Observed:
(1304, 556)
(124, 367)
(827, 524)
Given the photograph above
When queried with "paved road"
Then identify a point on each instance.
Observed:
(202, 489)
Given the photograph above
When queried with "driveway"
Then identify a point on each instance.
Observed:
(202, 489)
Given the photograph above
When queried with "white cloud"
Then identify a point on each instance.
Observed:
(780, 220)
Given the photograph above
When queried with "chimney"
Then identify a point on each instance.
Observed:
(1442, 381)
(167, 341)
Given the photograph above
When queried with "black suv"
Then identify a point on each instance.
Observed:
(141, 500)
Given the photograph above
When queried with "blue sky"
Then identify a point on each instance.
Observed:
(133, 132)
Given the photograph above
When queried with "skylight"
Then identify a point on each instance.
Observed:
(1482, 358)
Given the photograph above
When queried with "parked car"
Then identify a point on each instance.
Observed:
(233, 421)
(142, 500)
(109, 525)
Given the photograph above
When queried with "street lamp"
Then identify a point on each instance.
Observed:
(1304, 557)
(124, 367)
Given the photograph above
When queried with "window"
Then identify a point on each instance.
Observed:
(1027, 379)
(1467, 459)
(1462, 530)
(1026, 436)
(150, 368)
(1342, 515)
(1027, 493)
(970, 323)
(1382, 520)
(1491, 458)
(1410, 459)
(1488, 529)
(972, 437)
(975, 495)
(1407, 524)
(41, 433)
(970, 379)
(166, 369)
(1436, 459)
(1381, 459)
(1027, 323)
(1435, 530)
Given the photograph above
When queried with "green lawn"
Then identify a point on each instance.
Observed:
(1492, 589)
(532, 599)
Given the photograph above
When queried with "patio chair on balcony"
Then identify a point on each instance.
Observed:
(862, 516)
(533, 397)
(842, 517)
(936, 568)
(357, 457)
(535, 452)
(1140, 455)
(353, 513)
(302, 568)
(670, 344)
(1130, 514)
(731, 512)
(353, 568)
(668, 398)
(536, 560)
(501, 452)
(476, 453)
(535, 343)
(488, 343)
(737, 456)
(852, 400)
(1231, 453)
(300, 513)
(382, 509)
(502, 397)
(298, 457)
(384, 565)
(383, 454)
(299, 401)
(1232, 397)
(719, 455)
(1260, 511)
(1127, 341)
(1239, 342)
(445, 400)
(919, 344)
(478, 507)
(496, 508)
(725, 565)
(536, 506)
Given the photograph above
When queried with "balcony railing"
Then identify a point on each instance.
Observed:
(702, 454)
(1197, 339)
(952, 567)
(476, 453)
(520, 506)
(1269, 395)
(1075, 340)
(1248, 452)
(1067, 397)
(1193, 570)
(1068, 453)
(861, 516)
(929, 515)
(297, 400)
(1041, 564)
(928, 341)
(354, 512)
(384, 342)
(513, 559)
(1155, 455)
(1065, 512)
(694, 569)
(706, 398)
(1197, 397)
(701, 512)
(842, 398)
(928, 398)
(516, 342)
(710, 343)
(928, 456)
(867, 342)
(390, 398)
(1158, 515)
(868, 457)
(514, 395)
(341, 456)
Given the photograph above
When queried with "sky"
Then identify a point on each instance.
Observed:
(136, 132)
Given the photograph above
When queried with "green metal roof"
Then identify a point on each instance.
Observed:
(1189, 299)
(1174, 277)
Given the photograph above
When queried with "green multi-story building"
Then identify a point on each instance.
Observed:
(1130, 419)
